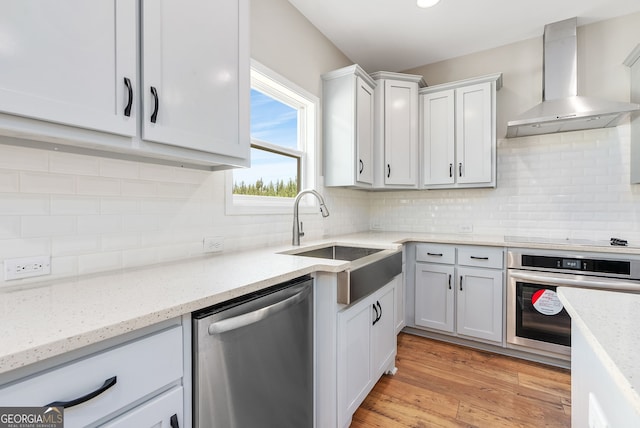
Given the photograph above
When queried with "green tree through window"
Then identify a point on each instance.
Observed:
(275, 153)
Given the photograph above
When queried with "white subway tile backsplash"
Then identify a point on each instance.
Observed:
(119, 168)
(176, 190)
(98, 186)
(76, 205)
(139, 257)
(564, 185)
(31, 182)
(139, 188)
(125, 214)
(157, 173)
(119, 241)
(67, 163)
(38, 226)
(139, 223)
(99, 224)
(99, 262)
(23, 159)
(24, 247)
(9, 181)
(20, 204)
(129, 205)
(9, 227)
(74, 245)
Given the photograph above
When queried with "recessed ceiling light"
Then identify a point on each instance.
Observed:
(427, 3)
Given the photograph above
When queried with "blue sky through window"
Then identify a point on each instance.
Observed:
(275, 123)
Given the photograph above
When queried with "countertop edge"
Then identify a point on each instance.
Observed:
(632, 395)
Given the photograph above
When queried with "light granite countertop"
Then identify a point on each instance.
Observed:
(609, 321)
(50, 318)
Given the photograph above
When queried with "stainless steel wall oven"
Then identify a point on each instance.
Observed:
(536, 319)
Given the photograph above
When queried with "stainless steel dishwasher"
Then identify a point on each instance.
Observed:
(253, 360)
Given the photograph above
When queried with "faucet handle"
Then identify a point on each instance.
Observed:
(301, 233)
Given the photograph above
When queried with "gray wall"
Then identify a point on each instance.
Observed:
(286, 42)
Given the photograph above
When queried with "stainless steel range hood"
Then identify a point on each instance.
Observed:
(561, 108)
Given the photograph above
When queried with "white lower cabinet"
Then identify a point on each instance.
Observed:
(435, 296)
(102, 386)
(164, 411)
(479, 306)
(367, 348)
(463, 298)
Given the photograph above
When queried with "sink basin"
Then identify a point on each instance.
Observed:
(339, 252)
(371, 268)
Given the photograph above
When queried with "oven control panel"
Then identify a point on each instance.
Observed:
(619, 267)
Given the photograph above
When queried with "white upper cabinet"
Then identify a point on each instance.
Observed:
(161, 80)
(396, 130)
(348, 127)
(70, 62)
(191, 74)
(439, 126)
(458, 135)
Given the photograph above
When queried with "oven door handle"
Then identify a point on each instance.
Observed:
(576, 281)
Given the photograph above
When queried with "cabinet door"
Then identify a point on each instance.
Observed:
(480, 309)
(354, 360)
(66, 62)
(438, 137)
(400, 133)
(364, 132)
(434, 299)
(474, 134)
(156, 413)
(383, 336)
(195, 75)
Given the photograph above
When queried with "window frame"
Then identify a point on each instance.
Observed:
(308, 105)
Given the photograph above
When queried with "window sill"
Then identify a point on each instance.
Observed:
(265, 205)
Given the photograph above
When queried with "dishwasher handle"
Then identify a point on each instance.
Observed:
(258, 315)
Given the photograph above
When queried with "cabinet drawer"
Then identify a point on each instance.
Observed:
(140, 367)
(436, 253)
(156, 413)
(481, 257)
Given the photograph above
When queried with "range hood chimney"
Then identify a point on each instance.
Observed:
(561, 108)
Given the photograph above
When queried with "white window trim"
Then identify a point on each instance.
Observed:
(309, 124)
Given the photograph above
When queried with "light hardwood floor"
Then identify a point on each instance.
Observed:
(444, 385)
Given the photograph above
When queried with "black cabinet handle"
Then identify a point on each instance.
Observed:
(174, 421)
(449, 281)
(127, 109)
(460, 282)
(379, 307)
(460, 169)
(450, 170)
(479, 258)
(361, 166)
(66, 404)
(388, 170)
(156, 104)
(435, 254)
(377, 315)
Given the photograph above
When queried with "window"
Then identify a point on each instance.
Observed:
(283, 137)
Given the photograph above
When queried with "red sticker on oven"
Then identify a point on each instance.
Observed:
(546, 302)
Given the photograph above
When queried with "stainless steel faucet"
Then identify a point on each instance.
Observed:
(297, 225)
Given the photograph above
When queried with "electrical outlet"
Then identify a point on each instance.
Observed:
(213, 244)
(27, 267)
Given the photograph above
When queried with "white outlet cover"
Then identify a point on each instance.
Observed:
(26, 267)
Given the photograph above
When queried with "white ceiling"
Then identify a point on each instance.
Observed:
(396, 35)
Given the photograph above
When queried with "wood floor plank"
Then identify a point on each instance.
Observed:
(444, 385)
